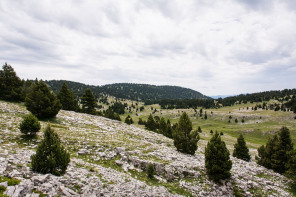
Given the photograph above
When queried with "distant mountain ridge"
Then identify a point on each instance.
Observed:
(139, 92)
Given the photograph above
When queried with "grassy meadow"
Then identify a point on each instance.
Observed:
(258, 124)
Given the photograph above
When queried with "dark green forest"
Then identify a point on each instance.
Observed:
(137, 92)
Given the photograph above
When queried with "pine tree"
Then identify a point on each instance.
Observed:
(30, 125)
(282, 147)
(67, 99)
(163, 126)
(241, 151)
(291, 166)
(11, 86)
(41, 102)
(185, 140)
(51, 156)
(169, 132)
(275, 155)
(217, 160)
(150, 124)
(88, 102)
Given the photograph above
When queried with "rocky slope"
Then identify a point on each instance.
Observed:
(109, 158)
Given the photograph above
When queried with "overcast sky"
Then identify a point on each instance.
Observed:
(214, 47)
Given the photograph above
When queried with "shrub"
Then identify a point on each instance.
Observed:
(150, 171)
(30, 125)
(241, 150)
(51, 156)
(217, 160)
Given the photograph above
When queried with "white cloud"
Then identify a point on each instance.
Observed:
(215, 47)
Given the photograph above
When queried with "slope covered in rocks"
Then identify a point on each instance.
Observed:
(109, 158)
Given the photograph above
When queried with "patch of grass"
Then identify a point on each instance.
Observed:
(10, 181)
(40, 193)
(237, 192)
(173, 187)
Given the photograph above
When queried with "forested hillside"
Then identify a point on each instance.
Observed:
(141, 92)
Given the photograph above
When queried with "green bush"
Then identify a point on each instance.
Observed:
(30, 125)
(51, 156)
(150, 171)
(217, 160)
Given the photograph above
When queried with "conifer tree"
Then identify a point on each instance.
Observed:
(41, 102)
(217, 160)
(169, 132)
(291, 166)
(241, 151)
(283, 146)
(67, 99)
(11, 86)
(88, 102)
(150, 124)
(275, 154)
(185, 140)
(51, 156)
(30, 125)
(163, 126)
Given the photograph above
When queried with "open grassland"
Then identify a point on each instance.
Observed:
(258, 124)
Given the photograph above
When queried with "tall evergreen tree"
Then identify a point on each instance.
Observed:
(163, 126)
(185, 140)
(88, 102)
(51, 156)
(41, 102)
(241, 151)
(291, 166)
(169, 132)
(11, 86)
(217, 160)
(282, 147)
(150, 124)
(67, 99)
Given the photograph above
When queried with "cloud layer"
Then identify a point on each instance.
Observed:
(215, 47)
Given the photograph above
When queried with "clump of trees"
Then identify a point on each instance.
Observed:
(158, 125)
(128, 120)
(217, 160)
(30, 125)
(109, 113)
(11, 86)
(41, 102)
(51, 156)
(277, 151)
(241, 151)
(185, 139)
